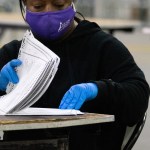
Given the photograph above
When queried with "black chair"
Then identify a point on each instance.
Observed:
(132, 134)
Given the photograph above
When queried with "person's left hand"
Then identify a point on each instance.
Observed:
(78, 94)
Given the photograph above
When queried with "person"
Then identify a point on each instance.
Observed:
(97, 73)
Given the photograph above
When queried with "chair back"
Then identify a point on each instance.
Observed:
(132, 134)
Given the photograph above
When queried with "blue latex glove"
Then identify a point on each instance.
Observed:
(8, 74)
(77, 95)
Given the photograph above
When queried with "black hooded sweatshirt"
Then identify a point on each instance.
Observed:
(91, 55)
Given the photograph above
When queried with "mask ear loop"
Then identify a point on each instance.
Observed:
(73, 6)
(25, 11)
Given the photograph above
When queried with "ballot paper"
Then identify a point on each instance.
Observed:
(38, 68)
(46, 111)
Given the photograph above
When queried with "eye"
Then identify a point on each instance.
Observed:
(59, 7)
(38, 6)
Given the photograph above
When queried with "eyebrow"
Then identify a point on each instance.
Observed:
(58, 1)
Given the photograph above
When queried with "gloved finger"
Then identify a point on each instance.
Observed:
(13, 76)
(15, 63)
(81, 101)
(75, 99)
(66, 100)
(10, 74)
(63, 99)
(72, 103)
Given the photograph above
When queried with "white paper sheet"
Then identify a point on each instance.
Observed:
(46, 112)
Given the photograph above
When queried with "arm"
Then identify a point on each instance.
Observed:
(123, 90)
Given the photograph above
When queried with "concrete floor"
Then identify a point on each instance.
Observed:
(139, 45)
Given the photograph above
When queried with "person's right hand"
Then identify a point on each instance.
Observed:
(8, 74)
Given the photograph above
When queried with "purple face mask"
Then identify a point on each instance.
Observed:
(50, 25)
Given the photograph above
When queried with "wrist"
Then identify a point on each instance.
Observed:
(3, 83)
(92, 90)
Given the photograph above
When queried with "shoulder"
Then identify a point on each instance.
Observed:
(107, 43)
(108, 48)
(93, 33)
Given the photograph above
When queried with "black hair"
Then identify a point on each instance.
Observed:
(22, 8)
(77, 19)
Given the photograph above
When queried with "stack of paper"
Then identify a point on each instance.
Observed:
(35, 75)
(39, 66)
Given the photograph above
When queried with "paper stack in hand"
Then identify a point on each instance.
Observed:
(39, 66)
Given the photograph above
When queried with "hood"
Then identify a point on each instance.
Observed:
(84, 28)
